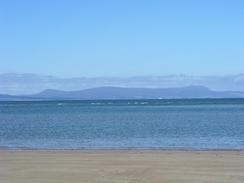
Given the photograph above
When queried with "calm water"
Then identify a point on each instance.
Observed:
(144, 124)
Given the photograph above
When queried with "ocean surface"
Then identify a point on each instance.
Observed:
(123, 124)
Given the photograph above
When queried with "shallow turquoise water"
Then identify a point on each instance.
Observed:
(123, 124)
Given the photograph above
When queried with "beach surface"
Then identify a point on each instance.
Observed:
(24, 166)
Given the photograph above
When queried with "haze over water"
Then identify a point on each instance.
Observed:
(122, 124)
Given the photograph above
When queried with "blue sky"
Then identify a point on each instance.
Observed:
(122, 38)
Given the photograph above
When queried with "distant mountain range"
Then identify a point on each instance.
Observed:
(127, 93)
(29, 84)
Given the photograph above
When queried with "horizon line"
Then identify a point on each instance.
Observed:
(134, 76)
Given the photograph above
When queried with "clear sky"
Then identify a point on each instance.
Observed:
(122, 37)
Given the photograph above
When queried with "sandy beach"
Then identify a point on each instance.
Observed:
(121, 166)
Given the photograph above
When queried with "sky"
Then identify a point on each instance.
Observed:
(122, 38)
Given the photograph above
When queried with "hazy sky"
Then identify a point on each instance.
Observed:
(122, 37)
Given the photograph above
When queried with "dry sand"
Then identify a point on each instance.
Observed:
(121, 166)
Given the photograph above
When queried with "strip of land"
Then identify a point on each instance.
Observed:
(121, 166)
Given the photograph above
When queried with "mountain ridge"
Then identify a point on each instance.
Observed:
(114, 93)
(29, 84)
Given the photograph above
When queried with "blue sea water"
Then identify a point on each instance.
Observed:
(123, 124)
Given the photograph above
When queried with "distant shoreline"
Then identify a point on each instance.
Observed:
(123, 100)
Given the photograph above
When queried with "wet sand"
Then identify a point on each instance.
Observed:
(121, 166)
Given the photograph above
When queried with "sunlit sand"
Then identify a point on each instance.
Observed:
(121, 166)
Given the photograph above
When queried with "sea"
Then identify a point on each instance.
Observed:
(170, 124)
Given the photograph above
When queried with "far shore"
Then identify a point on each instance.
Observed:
(121, 166)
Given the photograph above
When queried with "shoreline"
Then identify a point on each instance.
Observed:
(122, 150)
(125, 149)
